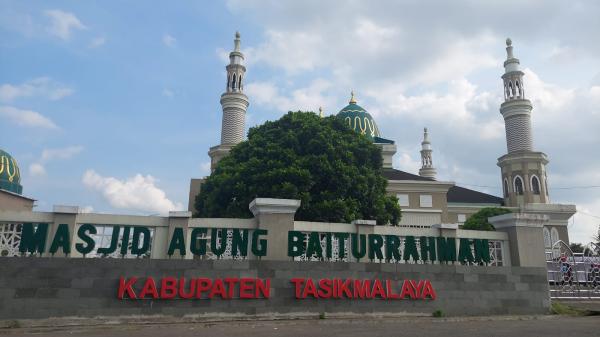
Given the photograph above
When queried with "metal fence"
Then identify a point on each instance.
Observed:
(573, 275)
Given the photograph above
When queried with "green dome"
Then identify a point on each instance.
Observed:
(10, 176)
(359, 119)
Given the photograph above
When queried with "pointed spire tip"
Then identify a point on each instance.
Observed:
(352, 99)
(508, 42)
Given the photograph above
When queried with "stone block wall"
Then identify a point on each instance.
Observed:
(55, 287)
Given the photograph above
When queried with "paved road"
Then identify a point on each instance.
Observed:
(543, 326)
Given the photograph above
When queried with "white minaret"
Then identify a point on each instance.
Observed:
(523, 169)
(427, 170)
(234, 103)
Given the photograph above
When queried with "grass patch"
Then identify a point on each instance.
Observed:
(557, 308)
(322, 315)
(438, 313)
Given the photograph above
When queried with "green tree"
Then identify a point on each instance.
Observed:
(576, 247)
(334, 171)
(479, 220)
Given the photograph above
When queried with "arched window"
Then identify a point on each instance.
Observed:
(240, 82)
(511, 90)
(506, 91)
(518, 185)
(554, 235)
(505, 186)
(547, 239)
(518, 87)
(228, 82)
(535, 184)
(233, 82)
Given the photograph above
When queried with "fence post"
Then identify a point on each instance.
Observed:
(525, 237)
(277, 217)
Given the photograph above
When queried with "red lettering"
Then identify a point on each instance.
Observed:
(344, 288)
(362, 289)
(263, 288)
(418, 287)
(310, 289)
(246, 288)
(168, 288)
(231, 286)
(407, 290)
(218, 288)
(182, 292)
(325, 288)
(390, 290)
(126, 286)
(149, 288)
(428, 291)
(378, 289)
(202, 284)
(298, 282)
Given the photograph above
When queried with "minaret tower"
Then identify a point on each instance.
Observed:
(234, 103)
(427, 170)
(523, 170)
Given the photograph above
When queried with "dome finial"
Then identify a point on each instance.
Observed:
(321, 112)
(508, 42)
(352, 99)
(236, 42)
(237, 34)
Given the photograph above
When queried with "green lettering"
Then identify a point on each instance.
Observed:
(446, 248)
(359, 249)
(177, 242)
(239, 242)
(144, 232)
(375, 245)
(62, 239)
(88, 243)
(427, 248)
(218, 251)
(410, 248)
(464, 251)
(33, 241)
(482, 250)
(295, 243)
(392, 247)
(341, 237)
(259, 246)
(114, 239)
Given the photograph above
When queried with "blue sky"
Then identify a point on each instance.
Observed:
(113, 105)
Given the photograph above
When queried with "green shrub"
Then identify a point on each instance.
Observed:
(479, 220)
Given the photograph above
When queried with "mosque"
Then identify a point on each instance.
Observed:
(425, 201)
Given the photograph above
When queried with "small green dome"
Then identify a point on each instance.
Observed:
(10, 175)
(359, 119)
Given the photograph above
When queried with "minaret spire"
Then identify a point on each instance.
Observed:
(234, 104)
(427, 170)
(523, 169)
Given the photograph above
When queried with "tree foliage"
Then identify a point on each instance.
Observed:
(479, 220)
(334, 171)
(576, 247)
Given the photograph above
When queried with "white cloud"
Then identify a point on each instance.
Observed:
(97, 42)
(63, 23)
(309, 98)
(26, 118)
(168, 93)
(169, 40)
(61, 153)
(39, 87)
(137, 193)
(205, 168)
(37, 170)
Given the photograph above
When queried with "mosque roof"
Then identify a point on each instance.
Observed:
(10, 175)
(456, 194)
(359, 119)
(463, 195)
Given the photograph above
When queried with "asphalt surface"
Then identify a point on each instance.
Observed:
(546, 326)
